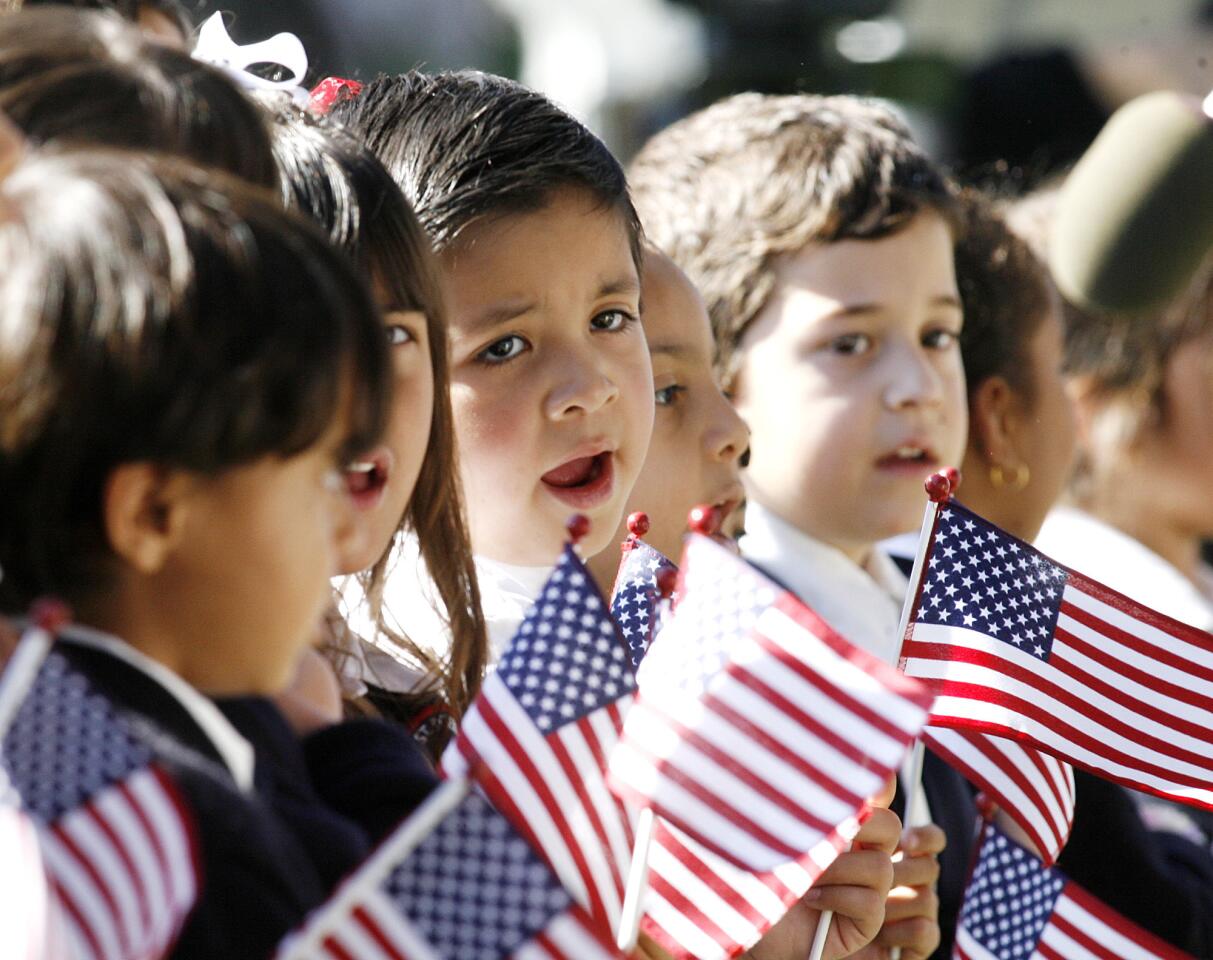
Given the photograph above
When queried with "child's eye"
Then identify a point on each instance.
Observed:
(398, 335)
(664, 396)
(940, 339)
(611, 320)
(499, 351)
(851, 344)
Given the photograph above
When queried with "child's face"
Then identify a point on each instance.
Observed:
(382, 482)
(851, 382)
(550, 380)
(698, 438)
(252, 566)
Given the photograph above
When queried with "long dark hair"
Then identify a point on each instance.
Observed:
(330, 176)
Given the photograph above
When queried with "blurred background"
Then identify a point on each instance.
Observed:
(1006, 88)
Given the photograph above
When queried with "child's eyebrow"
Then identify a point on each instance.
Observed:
(500, 313)
(679, 351)
(866, 309)
(612, 288)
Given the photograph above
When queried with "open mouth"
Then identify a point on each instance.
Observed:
(367, 479)
(909, 457)
(583, 481)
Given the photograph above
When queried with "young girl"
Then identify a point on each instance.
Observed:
(698, 442)
(407, 488)
(550, 382)
(184, 371)
(1133, 522)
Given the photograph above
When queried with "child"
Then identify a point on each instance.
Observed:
(821, 239)
(184, 371)
(72, 77)
(550, 382)
(698, 440)
(408, 485)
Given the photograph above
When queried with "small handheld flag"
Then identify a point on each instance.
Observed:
(538, 735)
(1016, 908)
(1018, 646)
(645, 576)
(454, 882)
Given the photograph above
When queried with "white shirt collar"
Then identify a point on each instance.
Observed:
(861, 603)
(235, 751)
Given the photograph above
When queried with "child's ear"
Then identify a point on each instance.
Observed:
(992, 409)
(144, 508)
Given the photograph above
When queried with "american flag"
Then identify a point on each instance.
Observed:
(538, 735)
(634, 605)
(471, 889)
(1035, 789)
(116, 839)
(1016, 908)
(757, 730)
(1018, 646)
(699, 905)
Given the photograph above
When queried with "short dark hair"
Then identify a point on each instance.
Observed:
(76, 77)
(333, 178)
(127, 9)
(467, 145)
(727, 190)
(155, 311)
(1006, 294)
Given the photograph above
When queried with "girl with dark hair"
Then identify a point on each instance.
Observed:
(332, 178)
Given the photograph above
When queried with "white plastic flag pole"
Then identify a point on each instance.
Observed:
(822, 934)
(638, 879)
(19, 673)
(939, 487)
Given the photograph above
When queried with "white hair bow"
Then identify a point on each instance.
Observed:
(215, 47)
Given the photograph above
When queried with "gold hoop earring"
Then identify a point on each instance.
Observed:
(998, 478)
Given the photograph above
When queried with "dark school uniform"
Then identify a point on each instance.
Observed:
(256, 882)
(341, 789)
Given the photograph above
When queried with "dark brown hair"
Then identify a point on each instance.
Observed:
(152, 311)
(72, 78)
(467, 145)
(331, 177)
(726, 191)
(1006, 294)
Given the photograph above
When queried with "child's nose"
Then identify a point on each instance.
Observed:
(914, 379)
(581, 386)
(727, 436)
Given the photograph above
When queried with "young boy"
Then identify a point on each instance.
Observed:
(184, 372)
(698, 439)
(820, 237)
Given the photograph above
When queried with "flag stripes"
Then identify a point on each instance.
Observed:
(728, 763)
(123, 868)
(1017, 646)
(1034, 788)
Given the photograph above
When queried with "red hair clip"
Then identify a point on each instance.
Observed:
(331, 91)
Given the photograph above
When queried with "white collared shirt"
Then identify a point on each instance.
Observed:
(413, 608)
(235, 752)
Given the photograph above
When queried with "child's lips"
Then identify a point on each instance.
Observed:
(582, 482)
(911, 457)
(366, 479)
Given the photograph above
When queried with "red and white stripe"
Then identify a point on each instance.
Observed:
(776, 751)
(123, 868)
(553, 790)
(1126, 692)
(700, 906)
(1082, 928)
(1035, 789)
